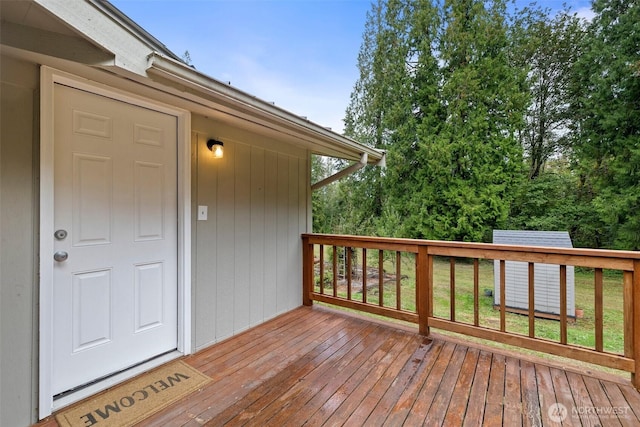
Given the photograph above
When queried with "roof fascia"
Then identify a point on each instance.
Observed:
(135, 29)
(101, 24)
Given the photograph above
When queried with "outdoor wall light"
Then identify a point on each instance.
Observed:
(216, 147)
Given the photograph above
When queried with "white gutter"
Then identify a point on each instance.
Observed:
(348, 171)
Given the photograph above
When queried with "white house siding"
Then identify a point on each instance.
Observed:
(18, 247)
(247, 259)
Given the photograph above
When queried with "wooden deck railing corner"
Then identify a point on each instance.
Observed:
(350, 288)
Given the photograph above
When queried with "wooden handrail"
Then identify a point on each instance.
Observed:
(424, 252)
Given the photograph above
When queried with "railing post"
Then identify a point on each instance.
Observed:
(307, 271)
(635, 315)
(423, 274)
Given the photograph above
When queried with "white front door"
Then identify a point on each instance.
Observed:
(115, 245)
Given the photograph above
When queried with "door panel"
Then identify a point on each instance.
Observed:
(91, 322)
(148, 296)
(92, 204)
(115, 184)
(149, 192)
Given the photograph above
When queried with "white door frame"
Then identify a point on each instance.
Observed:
(48, 78)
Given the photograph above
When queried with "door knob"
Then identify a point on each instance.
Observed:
(60, 256)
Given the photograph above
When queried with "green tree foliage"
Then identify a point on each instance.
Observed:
(420, 108)
(326, 216)
(490, 120)
(606, 104)
(383, 84)
(474, 158)
(547, 46)
(438, 90)
(551, 202)
(349, 206)
(364, 121)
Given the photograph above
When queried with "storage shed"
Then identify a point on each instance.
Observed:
(546, 276)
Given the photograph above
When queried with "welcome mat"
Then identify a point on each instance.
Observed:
(135, 400)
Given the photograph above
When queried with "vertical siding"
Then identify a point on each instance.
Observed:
(270, 227)
(225, 242)
(248, 260)
(282, 232)
(257, 249)
(546, 276)
(293, 294)
(203, 242)
(242, 238)
(18, 248)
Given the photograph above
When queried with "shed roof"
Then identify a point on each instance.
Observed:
(554, 239)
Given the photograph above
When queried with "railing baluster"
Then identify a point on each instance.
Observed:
(634, 320)
(599, 315)
(348, 273)
(307, 272)
(430, 285)
(452, 289)
(398, 282)
(364, 275)
(563, 304)
(476, 292)
(335, 271)
(627, 303)
(532, 302)
(380, 277)
(321, 269)
(419, 278)
(424, 295)
(503, 274)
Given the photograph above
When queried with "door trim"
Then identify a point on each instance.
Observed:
(49, 77)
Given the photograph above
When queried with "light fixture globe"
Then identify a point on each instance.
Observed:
(216, 147)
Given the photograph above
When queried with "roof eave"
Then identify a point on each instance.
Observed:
(123, 20)
(324, 140)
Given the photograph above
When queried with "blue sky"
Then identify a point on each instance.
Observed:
(300, 54)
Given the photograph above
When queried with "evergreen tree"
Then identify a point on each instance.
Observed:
(439, 91)
(473, 158)
(381, 109)
(606, 103)
(420, 108)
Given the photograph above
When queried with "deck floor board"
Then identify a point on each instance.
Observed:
(321, 367)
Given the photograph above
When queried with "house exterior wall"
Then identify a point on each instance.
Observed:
(18, 242)
(245, 259)
(246, 263)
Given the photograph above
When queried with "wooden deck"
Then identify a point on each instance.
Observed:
(315, 366)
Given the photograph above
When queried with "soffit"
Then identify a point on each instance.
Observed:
(28, 26)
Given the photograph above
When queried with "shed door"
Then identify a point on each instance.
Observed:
(115, 216)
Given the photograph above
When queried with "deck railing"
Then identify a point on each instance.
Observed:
(367, 274)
